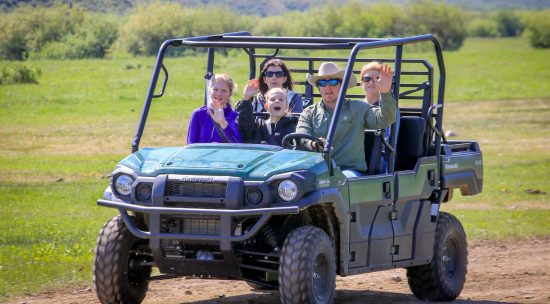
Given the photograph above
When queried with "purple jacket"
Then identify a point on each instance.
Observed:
(201, 127)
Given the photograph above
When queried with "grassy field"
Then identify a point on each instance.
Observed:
(61, 137)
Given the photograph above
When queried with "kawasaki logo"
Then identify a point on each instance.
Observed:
(196, 179)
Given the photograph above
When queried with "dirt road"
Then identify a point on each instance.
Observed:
(511, 272)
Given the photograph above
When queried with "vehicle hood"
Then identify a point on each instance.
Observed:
(248, 161)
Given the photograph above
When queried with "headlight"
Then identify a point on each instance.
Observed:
(143, 192)
(287, 190)
(254, 196)
(123, 184)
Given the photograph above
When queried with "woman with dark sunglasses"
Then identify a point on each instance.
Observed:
(275, 74)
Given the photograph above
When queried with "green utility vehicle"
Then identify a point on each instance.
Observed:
(287, 218)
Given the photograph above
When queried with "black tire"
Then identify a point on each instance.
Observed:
(444, 278)
(114, 280)
(307, 269)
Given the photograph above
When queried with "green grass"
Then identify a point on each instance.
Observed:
(48, 233)
(502, 224)
(60, 137)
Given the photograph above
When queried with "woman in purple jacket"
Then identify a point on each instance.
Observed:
(215, 122)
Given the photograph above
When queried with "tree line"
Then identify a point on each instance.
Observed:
(70, 31)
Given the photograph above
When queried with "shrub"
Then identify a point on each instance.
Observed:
(444, 21)
(377, 20)
(509, 23)
(483, 27)
(13, 45)
(92, 39)
(149, 26)
(11, 73)
(28, 29)
(537, 29)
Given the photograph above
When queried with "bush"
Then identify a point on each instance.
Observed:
(13, 45)
(11, 73)
(537, 29)
(444, 21)
(149, 26)
(377, 20)
(483, 27)
(92, 39)
(28, 29)
(509, 23)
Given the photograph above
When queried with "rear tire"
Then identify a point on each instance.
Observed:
(444, 278)
(116, 250)
(307, 269)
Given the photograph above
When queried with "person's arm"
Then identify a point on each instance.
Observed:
(231, 131)
(305, 126)
(296, 103)
(193, 132)
(382, 116)
(245, 120)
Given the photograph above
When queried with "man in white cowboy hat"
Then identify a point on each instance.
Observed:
(348, 150)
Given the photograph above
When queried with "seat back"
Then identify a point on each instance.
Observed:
(412, 142)
(373, 151)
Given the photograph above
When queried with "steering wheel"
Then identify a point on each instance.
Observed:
(292, 141)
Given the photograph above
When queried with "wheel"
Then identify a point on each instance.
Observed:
(292, 141)
(118, 274)
(307, 268)
(444, 278)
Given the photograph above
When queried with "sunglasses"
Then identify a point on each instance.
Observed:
(369, 78)
(277, 74)
(331, 82)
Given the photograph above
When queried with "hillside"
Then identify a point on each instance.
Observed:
(266, 7)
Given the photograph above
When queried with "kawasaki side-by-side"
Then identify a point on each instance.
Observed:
(285, 218)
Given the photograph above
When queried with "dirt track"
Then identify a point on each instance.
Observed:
(512, 272)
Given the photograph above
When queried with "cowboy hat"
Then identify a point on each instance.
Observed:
(330, 70)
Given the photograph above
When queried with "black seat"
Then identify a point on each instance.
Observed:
(373, 151)
(412, 142)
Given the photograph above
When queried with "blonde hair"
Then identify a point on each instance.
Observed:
(227, 80)
(277, 90)
(374, 65)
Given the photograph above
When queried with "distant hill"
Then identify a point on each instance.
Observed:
(267, 7)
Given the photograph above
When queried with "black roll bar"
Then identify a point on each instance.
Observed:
(397, 42)
(250, 43)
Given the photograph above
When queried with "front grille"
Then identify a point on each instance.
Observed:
(195, 189)
(198, 205)
(201, 226)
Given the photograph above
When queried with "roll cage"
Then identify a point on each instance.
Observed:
(423, 91)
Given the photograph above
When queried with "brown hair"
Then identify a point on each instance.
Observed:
(275, 62)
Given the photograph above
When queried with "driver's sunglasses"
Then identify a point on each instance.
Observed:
(277, 74)
(369, 78)
(331, 82)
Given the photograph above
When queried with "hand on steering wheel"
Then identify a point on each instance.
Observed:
(293, 141)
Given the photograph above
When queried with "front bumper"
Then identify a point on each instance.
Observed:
(226, 235)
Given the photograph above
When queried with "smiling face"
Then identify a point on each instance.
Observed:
(330, 93)
(220, 93)
(277, 104)
(274, 81)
